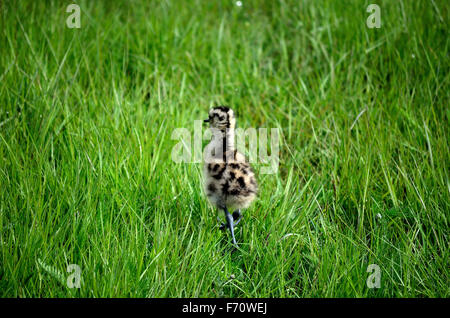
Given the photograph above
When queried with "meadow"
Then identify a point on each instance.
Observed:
(87, 177)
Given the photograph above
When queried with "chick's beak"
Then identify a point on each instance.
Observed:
(206, 120)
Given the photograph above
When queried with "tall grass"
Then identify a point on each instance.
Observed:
(86, 176)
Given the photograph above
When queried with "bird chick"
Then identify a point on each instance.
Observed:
(229, 180)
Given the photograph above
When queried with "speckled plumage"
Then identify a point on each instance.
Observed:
(229, 180)
(230, 184)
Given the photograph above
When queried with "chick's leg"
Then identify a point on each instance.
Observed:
(230, 225)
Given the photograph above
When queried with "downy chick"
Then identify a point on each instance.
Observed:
(229, 180)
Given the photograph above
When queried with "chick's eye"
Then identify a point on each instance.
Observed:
(221, 117)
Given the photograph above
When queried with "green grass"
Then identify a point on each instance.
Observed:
(86, 176)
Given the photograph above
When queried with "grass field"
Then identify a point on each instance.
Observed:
(86, 175)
